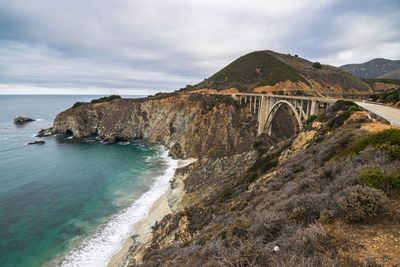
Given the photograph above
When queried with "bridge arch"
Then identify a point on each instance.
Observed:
(293, 118)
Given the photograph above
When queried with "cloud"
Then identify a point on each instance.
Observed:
(149, 46)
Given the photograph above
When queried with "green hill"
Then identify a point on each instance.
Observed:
(252, 70)
(268, 68)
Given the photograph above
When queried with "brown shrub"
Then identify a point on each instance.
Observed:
(363, 204)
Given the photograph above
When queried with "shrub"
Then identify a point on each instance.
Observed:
(372, 177)
(78, 104)
(339, 120)
(363, 204)
(310, 120)
(392, 150)
(395, 180)
(342, 105)
(105, 99)
(317, 65)
(387, 140)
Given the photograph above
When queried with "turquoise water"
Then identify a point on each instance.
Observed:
(69, 202)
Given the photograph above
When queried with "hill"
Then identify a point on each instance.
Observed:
(375, 68)
(268, 71)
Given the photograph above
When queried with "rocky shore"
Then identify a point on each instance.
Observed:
(134, 246)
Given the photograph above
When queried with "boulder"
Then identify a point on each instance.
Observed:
(37, 142)
(45, 132)
(22, 119)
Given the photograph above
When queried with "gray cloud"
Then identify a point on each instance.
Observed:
(146, 45)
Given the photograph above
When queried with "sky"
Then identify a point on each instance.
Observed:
(141, 47)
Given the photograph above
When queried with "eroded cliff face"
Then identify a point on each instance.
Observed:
(190, 125)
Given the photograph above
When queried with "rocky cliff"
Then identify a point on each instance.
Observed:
(190, 125)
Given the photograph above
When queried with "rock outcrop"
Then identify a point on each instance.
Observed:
(189, 125)
(22, 119)
(45, 132)
(37, 142)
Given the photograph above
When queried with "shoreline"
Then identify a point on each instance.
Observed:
(142, 230)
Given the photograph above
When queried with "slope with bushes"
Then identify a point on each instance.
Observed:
(302, 202)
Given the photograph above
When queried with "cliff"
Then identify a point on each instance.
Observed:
(189, 125)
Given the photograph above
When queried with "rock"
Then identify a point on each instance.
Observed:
(276, 248)
(37, 142)
(22, 119)
(45, 132)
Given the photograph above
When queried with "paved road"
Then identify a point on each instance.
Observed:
(392, 115)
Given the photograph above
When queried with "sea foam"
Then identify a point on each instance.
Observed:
(98, 249)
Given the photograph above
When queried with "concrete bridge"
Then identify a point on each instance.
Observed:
(266, 107)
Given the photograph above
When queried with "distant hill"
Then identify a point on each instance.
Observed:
(375, 68)
(268, 71)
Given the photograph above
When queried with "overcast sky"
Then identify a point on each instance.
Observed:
(146, 46)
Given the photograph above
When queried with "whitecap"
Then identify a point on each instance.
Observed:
(98, 249)
(123, 143)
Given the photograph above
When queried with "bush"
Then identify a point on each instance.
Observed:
(372, 177)
(339, 120)
(105, 99)
(363, 204)
(387, 140)
(78, 104)
(395, 180)
(342, 105)
(317, 65)
(336, 119)
(310, 120)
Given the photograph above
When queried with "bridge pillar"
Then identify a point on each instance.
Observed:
(262, 114)
(314, 107)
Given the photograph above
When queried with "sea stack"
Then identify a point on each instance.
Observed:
(22, 119)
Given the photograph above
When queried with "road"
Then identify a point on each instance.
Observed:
(390, 114)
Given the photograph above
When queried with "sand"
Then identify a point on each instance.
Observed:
(141, 234)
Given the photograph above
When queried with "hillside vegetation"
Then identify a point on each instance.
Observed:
(268, 70)
(329, 197)
(388, 97)
(253, 70)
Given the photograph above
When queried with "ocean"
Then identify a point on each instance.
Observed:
(70, 202)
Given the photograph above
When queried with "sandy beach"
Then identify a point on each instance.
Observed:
(141, 234)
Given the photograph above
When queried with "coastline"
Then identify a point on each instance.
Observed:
(168, 202)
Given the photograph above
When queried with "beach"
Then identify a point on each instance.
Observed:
(168, 202)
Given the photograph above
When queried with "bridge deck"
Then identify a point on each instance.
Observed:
(310, 98)
(390, 114)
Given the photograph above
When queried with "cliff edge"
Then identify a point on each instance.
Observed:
(189, 125)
